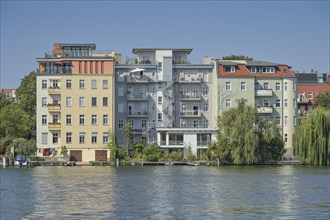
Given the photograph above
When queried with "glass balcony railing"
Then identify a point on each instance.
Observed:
(137, 114)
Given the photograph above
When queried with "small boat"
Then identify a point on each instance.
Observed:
(20, 160)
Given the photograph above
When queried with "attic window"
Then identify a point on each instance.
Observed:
(229, 69)
(268, 69)
(284, 70)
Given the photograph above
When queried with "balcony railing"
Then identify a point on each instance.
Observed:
(137, 97)
(175, 142)
(203, 143)
(139, 130)
(137, 79)
(54, 90)
(303, 100)
(194, 113)
(190, 96)
(54, 125)
(137, 114)
(193, 79)
(79, 53)
(264, 92)
(54, 107)
(264, 110)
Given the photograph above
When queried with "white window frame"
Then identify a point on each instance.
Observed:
(278, 86)
(68, 137)
(310, 95)
(278, 103)
(228, 86)
(94, 84)
(243, 86)
(94, 119)
(228, 103)
(105, 119)
(44, 84)
(82, 101)
(68, 101)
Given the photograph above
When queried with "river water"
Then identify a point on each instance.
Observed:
(176, 192)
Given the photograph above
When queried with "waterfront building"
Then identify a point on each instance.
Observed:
(75, 101)
(309, 86)
(270, 87)
(166, 99)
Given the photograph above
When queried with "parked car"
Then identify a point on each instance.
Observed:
(20, 160)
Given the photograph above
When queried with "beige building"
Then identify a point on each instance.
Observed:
(75, 101)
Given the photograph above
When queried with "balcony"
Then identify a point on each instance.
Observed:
(190, 79)
(55, 107)
(190, 96)
(137, 114)
(303, 100)
(139, 130)
(137, 97)
(175, 142)
(190, 114)
(54, 90)
(265, 110)
(137, 79)
(203, 143)
(54, 126)
(264, 92)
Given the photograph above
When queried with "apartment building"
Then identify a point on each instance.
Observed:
(166, 99)
(271, 87)
(309, 86)
(9, 93)
(75, 101)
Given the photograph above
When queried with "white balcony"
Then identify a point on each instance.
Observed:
(265, 110)
(190, 114)
(137, 79)
(264, 92)
(190, 96)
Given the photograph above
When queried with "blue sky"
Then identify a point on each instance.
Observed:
(291, 32)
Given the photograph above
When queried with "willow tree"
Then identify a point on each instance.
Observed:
(312, 138)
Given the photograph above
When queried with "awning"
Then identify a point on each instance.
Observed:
(136, 70)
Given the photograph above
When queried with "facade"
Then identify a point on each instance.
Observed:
(309, 86)
(269, 86)
(166, 99)
(75, 102)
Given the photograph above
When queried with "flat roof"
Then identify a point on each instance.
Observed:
(137, 50)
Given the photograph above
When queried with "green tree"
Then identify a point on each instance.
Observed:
(312, 138)
(26, 99)
(153, 153)
(190, 155)
(323, 100)
(112, 148)
(127, 131)
(64, 151)
(24, 146)
(237, 57)
(176, 155)
(243, 141)
(4, 101)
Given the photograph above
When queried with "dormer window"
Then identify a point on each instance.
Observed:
(254, 69)
(268, 69)
(230, 69)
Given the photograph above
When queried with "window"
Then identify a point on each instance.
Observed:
(278, 103)
(285, 120)
(105, 84)
(81, 84)
(81, 137)
(205, 91)
(285, 137)
(268, 69)
(183, 124)
(206, 107)
(206, 124)
(94, 137)
(285, 103)
(243, 86)
(68, 101)
(43, 101)
(131, 122)
(94, 101)
(302, 95)
(183, 107)
(196, 123)
(144, 124)
(120, 91)
(266, 85)
(68, 84)
(278, 86)
(44, 138)
(253, 69)
(55, 118)
(44, 84)
(310, 95)
(105, 137)
(55, 138)
(105, 119)
(294, 86)
(55, 84)
(44, 119)
(153, 108)
(160, 99)
(256, 85)
(265, 102)
(228, 103)
(94, 84)
(294, 103)
(160, 65)
(121, 107)
(120, 124)
(81, 119)
(160, 117)
(68, 137)
(68, 119)
(228, 86)
(286, 86)
(81, 101)
(105, 101)
(94, 119)
(229, 69)
(278, 120)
